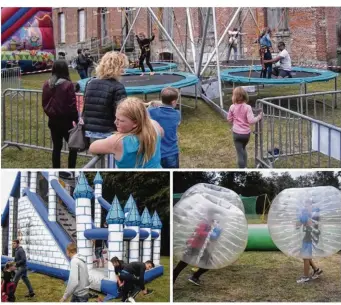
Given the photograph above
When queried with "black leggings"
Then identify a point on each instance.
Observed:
(58, 133)
(181, 266)
(240, 142)
(145, 55)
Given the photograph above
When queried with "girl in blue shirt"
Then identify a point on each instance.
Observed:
(137, 142)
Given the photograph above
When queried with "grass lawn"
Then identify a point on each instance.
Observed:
(49, 289)
(204, 136)
(262, 277)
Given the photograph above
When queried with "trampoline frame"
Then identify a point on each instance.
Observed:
(325, 76)
(190, 80)
(168, 67)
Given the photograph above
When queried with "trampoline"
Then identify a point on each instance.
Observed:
(137, 84)
(300, 75)
(157, 66)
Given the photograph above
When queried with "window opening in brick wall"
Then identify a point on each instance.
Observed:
(104, 25)
(202, 18)
(81, 25)
(277, 18)
(61, 22)
(129, 14)
(167, 20)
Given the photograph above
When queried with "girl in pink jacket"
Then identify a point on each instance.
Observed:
(241, 116)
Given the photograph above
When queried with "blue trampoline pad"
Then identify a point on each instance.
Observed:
(251, 75)
(137, 84)
(157, 66)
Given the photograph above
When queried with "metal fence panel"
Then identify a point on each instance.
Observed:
(299, 131)
(24, 123)
(10, 78)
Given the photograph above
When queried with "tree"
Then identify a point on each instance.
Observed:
(182, 181)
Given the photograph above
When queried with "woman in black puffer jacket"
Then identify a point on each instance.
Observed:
(102, 95)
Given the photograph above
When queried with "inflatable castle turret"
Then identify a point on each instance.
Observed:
(146, 224)
(45, 228)
(83, 195)
(115, 220)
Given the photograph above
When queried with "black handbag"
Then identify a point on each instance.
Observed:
(77, 139)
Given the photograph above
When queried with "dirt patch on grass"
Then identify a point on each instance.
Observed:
(263, 277)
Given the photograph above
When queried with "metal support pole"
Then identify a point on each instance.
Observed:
(203, 40)
(132, 26)
(220, 41)
(186, 42)
(218, 63)
(188, 13)
(170, 40)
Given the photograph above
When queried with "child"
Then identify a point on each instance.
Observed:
(241, 116)
(98, 244)
(309, 219)
(78, 283)
(265, 53)
(7, 285)
(131, 275)
(79, 99)
(144, 44)
(205, 229)
(169, 119)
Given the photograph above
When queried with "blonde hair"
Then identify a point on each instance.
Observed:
(239, 96)
(72, 248)
(135, 109)
(111, 65)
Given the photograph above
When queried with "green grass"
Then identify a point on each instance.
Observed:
(262, 277)
(205, 138)
(49, 289)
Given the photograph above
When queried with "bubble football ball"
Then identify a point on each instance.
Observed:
(218, 191)
(306, 222)
(210, 231)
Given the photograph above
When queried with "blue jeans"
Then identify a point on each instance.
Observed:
(170, 161)
(22, 273)
(82, 299)
(82, 74)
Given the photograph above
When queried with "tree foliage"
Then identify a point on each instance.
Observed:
(149, 189)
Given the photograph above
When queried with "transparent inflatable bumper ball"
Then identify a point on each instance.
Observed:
(306, 222)
(210, 231)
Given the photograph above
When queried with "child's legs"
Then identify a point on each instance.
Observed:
(229, 52)
(240, 142)
(235, 52)
(268, 68)
(148, 62)
(306, 263)
(199, 273)
(142, 57)
(179, 267)
(313, 265)
(170, 161)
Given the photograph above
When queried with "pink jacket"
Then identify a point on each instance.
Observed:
(242, 117)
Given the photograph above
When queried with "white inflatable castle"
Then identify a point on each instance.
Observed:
(46, 227)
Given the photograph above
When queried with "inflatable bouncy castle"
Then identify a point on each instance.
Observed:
(27, 38)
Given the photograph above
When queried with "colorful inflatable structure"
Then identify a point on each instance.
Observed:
(43, 215)
(27, 38)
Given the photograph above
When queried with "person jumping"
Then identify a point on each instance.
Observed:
(144, 44)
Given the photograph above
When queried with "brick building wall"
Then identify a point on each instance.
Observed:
(311, 35)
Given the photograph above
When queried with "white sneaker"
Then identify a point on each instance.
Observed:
(303, 279)
(131, 300)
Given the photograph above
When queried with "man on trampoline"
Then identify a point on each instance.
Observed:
(283, 57)
(144, 44)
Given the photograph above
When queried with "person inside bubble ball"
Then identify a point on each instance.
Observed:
(309, 219)
(199, 248)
